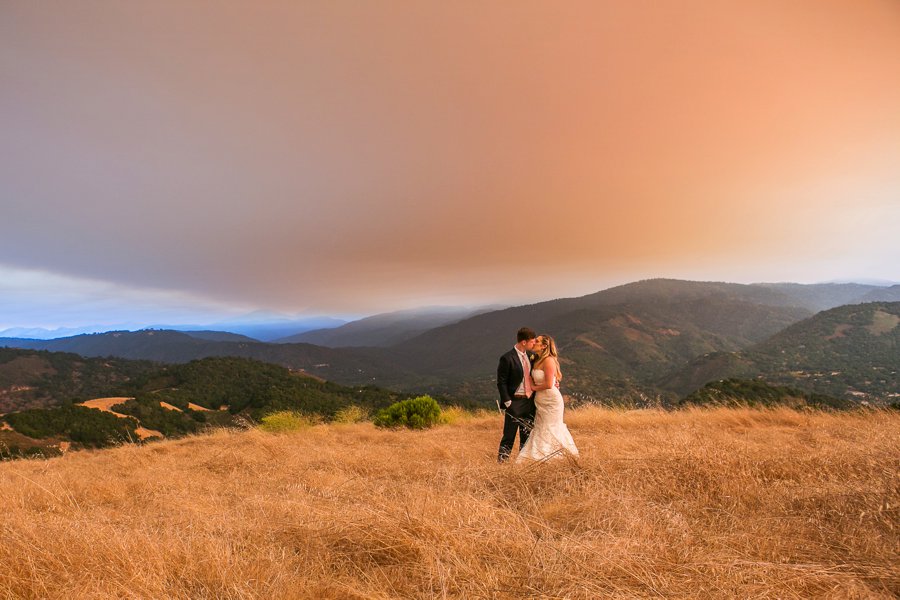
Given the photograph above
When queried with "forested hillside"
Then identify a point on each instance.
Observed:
(40, 379)
(850, 352)
(171, 400)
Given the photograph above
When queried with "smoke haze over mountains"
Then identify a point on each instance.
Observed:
(172, 163)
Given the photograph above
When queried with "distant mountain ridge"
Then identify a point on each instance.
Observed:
(616, 342)
(387, 329)
(260, 325)
(219, 336)
(888, 294)
(270, 326)
(651, 338)
(267, 326)
(42, 333)
(823, 296)
(167, 346)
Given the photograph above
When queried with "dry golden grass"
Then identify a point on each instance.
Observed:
(723, 503)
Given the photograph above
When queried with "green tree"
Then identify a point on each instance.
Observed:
(417, 413)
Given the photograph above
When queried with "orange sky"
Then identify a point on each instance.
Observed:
(357, 157)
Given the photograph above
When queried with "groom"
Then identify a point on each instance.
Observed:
(516, 392)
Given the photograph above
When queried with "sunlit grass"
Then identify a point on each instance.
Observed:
(351, 414)
(286, 421)
(453, 415)
(701, 503)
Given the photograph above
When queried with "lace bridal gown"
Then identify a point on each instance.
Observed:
(550, 437)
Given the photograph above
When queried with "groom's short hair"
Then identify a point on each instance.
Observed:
(525, 334)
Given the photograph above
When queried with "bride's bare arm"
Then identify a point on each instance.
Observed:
(549, 367)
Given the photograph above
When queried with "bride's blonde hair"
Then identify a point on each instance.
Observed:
(548, 348)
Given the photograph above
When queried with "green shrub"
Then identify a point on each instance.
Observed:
(417, 413)
(286, 421)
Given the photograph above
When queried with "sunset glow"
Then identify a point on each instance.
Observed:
(350, 158)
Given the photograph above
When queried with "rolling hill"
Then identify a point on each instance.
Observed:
(386, 329)
(824, 296)
(170, 400)
(886, 294)
(614, 344)
(38, 379)
(642, 343)
(219, 336)
(658, 339)
(849, 352)
(267, 326)
(176, 347)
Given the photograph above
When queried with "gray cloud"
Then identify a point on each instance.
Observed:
(347, 157)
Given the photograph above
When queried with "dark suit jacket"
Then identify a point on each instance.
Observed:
(509, 376)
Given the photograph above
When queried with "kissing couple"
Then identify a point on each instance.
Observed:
(528, 379)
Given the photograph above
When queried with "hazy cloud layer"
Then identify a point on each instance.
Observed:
(352, 157)
(40, 299)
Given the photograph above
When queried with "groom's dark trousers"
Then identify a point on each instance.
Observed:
(519, 415)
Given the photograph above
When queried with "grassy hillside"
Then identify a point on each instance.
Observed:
(848, 349)
(850, 352)
(615, 344)
(725, 503)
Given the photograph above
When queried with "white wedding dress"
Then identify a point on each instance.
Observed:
(550, 438)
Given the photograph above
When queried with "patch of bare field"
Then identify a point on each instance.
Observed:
(106, 404)
(719, 503)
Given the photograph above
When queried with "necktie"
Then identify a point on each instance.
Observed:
(526, 368)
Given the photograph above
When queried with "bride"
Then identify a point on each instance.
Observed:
(550, 437)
